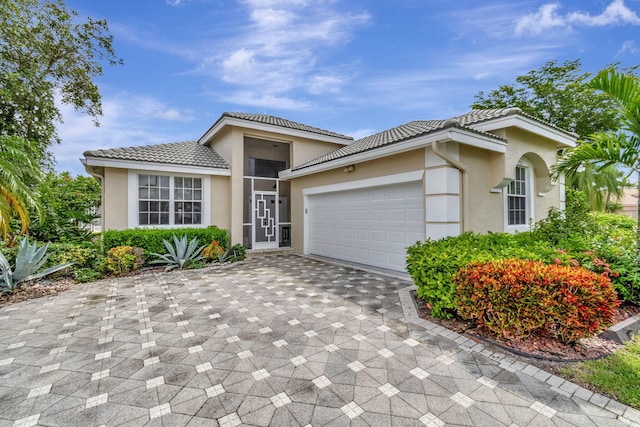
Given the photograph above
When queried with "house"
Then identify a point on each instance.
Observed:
(629, 202)
(276, 183)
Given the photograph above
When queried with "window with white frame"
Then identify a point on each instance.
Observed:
(519, 198)
(169, 200)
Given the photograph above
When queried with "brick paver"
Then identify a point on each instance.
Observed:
(274, 340)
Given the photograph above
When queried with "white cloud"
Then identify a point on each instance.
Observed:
(128, 120)
(629, 46)
(257, 99)
(548, 17)
(616, 13)
(283, 50)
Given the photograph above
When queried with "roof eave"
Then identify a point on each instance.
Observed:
(90, 161)
(455, 134)
(562, 138)
(234, 121)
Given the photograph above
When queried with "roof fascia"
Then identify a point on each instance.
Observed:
(233, 121)
(562, 139)
(462, 136)
(149, 166)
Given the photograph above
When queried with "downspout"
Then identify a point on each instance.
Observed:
(464, 182)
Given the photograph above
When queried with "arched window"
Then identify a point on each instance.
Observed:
(519, 199)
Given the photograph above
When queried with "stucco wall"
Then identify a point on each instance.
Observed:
(483, 210)
(405, 162)
(115, 190)
(230, 145)
(220, 199)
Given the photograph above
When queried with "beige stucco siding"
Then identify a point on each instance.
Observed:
(220, 198)
(115, 190)
(483, 210)
(400, 163)
(230, 145)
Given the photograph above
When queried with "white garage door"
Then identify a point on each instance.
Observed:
(370, 226)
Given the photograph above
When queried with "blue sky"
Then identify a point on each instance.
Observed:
(350, 66)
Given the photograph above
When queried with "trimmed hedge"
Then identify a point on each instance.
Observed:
(514, 298)
(150, 239)
(432, 264)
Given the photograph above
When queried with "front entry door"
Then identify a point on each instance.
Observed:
(265, 220)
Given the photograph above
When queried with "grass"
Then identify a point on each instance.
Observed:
(617, 375)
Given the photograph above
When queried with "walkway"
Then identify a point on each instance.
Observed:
(274, 340)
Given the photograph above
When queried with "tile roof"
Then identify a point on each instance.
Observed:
(178, 153)
(418, 128)
(280, 122)
(477, 116)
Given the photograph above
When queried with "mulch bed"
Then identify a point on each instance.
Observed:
(534, 347)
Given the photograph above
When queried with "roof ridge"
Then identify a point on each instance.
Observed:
(279, 121)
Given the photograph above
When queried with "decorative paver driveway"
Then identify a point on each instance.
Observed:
(275, 340)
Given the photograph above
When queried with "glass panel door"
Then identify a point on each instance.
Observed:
(265, 220)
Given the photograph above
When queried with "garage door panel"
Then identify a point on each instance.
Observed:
(369, 226)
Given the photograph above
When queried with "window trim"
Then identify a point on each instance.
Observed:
(132, 214)
(529, 203)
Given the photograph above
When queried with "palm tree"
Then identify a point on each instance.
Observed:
(605, 149)
(18, 168)
(599, 185)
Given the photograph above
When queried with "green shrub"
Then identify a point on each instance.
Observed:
(150, 239)
(236, 252)
(515, 298)
(123, 259)
(86, 275)
(213, 251)
(82, 255)
(432, 264)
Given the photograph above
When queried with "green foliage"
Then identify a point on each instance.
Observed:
(620, 146)
(575, 236)
(180, 254)
(123, 259)
(29, 260)
(81, 255)
(558, 94)
(236, 252)
(70, 204)
(432, 264)
(151, 239)
(46, 49)
(18, 171)
(515, 298)
(86, 275)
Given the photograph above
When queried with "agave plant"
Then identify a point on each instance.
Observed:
(179, 255)
(28, 261)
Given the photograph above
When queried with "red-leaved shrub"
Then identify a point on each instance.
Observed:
(515, 298)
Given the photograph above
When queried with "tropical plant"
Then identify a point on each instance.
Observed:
(180, 254)
(28, 261)
(611, 148)
(17, 170)
(123, 259)
(558, 94)
(601, 186)
(70, 204)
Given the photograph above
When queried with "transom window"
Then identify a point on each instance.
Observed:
(169, 200)
(517, 195)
